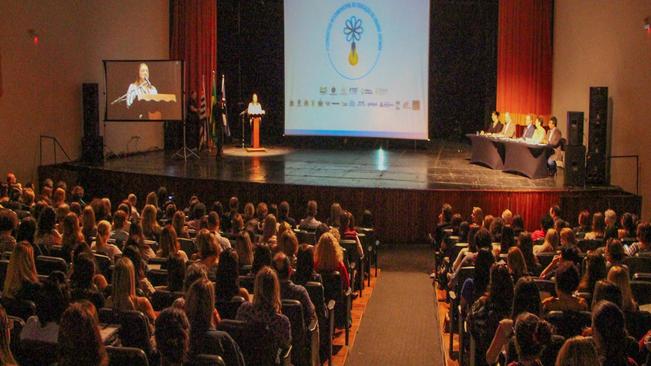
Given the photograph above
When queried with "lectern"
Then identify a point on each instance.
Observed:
(256, 120)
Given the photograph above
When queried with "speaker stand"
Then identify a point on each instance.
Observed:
(184, 153)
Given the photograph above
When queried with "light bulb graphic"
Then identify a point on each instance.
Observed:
(353, 31)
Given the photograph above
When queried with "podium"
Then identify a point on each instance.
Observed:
(256, 120)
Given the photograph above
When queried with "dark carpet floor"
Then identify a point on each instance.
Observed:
(400, 325)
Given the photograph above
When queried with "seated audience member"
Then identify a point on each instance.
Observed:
(490, 309)
(140, 267)
(81, 281)
(507, 239)
(137, 239)
(237, 224)
(305, 266)
(567, 238)
(347, 231)
(8, 223)
(496, 126)
(595, 270)
(149, 222)
(88, 224)
(609, 334)
(475, 287)
(546, 223)
(101, 244)
(175, 274)
(6, 326)
(288, 244)
(261, 211)
(250, 221)
(51, 302)
(619, 276)
(578, 351)
(568, 255)
(244, 248)
(269, 231)
(509, 129)
(584, 224)
(644, 240)
(118, 232)
(549, 245)
(21, 281)
(169, 244)
(46, 233)
(290, 290)
(193, 273)
(207, 251)
(266, 308)
(627, 229)
(518, 224)
(516, 264)
(444, 222)
(567, 281)
(335, 214)
(178, 223)
(170, 209)
(123, 296)
(310, 222)
(614, 253)
(488, 221)
(72, 235)
(606, 290)
(228, 271)
(477, 217)
(204, 338)
(233, 209)
(80, 342)
(532, 335)
(261, 257)
(173, 336)
(77, 195)
(214, 223)
(283, 214)
(526, 247)
(26, 232)
(526, 299)
(496, 229)
(329, 257)
(598, 229)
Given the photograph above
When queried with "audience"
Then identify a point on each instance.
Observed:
(21, 281)
(227, 284)
(598, 228)
(619, 276)
(310, 222)
(609, 334)
(305, 271)
(123, 296)
(550, 243)
(291, 291)
(643, 244)
(329, 257)
(169, 244)
(51, 302)
(532, 335)
(101, 244)
(8, 223)
(595, 270)
(80, 343)
(567, 281)
(173, 336)
(578, 351)
(82, 286)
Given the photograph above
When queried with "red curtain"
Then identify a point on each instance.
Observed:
(194, 39)
(524, 57)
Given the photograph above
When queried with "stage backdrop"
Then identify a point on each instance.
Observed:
(357, 69)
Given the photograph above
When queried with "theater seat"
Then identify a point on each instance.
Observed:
(206, 360)
(228, 309)
(256, 342)
(638, 264)
(569, 323)
(36, 353)
(162, 299)
(120, 356)
(333, 290)
(46, 265)
(19, 308)
(325, 314)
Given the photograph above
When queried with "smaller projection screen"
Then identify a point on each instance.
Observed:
(144, 90)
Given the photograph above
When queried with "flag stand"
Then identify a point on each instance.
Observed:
(184, 152)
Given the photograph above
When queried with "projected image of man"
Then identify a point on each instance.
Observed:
(141, 86)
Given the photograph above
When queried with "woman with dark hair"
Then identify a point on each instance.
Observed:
(140, 268)
(507, 239)
(228, 271)
(175, 274)
(526, 246)
(595, 270)
(305, 266)
(81, 281)
(72, 235)
(169, 244)
(628, 226)
(490, 309)
(172, 336)
(261, 257)
(496, 229)
(137, 239)
(51, 302)
(532, 336)
(266, 307)
(244, 247)
(615, 253)
(367, 220)
(204, 338)
(609, 333)
(335, 215)
(584, 224)
(474, 288)
(517, 224)
(26, 231)
(598, 229)
(516, 263)
(619, 276)
(89, 223)
(46, 235)
(178, 223)
(567, 281)
(608, 291)
(80, 343)
(526, 299)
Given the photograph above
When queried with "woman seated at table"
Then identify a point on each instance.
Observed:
(538, 133)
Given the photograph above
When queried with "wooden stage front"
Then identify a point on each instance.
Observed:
(403, 188)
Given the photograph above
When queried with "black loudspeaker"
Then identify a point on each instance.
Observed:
(90, 99)
(92, 150)
(575, 165)
(597, 157)
(575, 128)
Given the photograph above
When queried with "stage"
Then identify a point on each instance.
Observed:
(403, 187)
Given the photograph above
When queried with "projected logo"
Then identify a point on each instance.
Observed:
(354, 40)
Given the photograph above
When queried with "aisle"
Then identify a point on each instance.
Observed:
(400, 324)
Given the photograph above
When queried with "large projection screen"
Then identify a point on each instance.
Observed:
(144, 90)
(357, 68)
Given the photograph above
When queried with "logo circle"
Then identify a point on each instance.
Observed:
(353, 58)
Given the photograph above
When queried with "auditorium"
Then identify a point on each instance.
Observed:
(312, 182)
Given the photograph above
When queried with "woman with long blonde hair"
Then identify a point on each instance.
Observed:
(21, 281)
(266, 307)
(578, 351)
(88, 223)
(549, 244)
(71, 235)
(619, 276)
(329, 257)
(123, 296)
(208, 251)
(150, 227)
(101, 245)
(178, 222)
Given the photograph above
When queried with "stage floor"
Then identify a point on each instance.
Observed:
(444, 165)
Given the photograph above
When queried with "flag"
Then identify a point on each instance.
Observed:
(213, 110)
(203, 130)
(227, 130)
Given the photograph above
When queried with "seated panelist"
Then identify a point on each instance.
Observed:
(496, 125)
(530, 129)
(538, 134)
(509, 128)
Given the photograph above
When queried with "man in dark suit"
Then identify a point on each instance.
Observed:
(553, 138)
(496, 126)
(530, 129)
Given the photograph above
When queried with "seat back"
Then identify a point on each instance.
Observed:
(206, 360)
(19, 308)
(134, 330)
(36, 353)
(104, 265)
(188, 246)
(14, 341)
(56, 251)
(293, 310)
(46, 265)
(569, 323)
(641, 292)
(4, 264)
(228, 309)
(157, 277)
(119, 356)
(638, 323)
(162, 262)
(333, 290)
(547, 288)
(638, 264)
(590, 244)
(162, 299)
(304, 236)
(247, 282)
(255, 340)
(545, 258)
